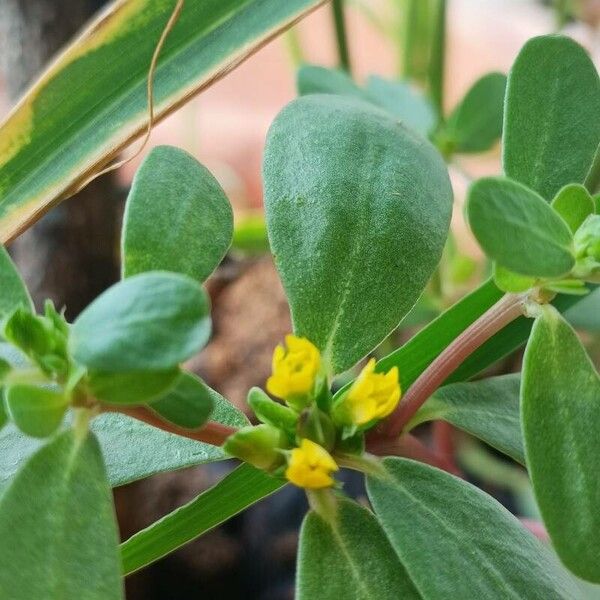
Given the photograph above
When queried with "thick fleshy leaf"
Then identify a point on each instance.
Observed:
(149, 322)
(42, 159)
(560, 398)
(57, 525)
(475, 125)
(586, 313)
(518, 229)
(574, 204)
(349, 557)
(13, 292)
(175, 203)
(551, 125)
(314, 79)
(132, 450)
(240, 489)
(511, 282)
(188, 403)
(358, 210)
(487, 409)
(137, 387)
(36, 411)
(456, 541)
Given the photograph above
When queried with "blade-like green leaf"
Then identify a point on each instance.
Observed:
(517, 228)
(487, 409)
(12, 288)
(132, 450)
(560, 398)
(475, 125)
(358, 211)
(36, 411)
(149, 322)
(57, 525)
(349, 557)
(239, 490)
(188, 403)
(137, 387)
(56, 136)
(456, 541)
(551, 125)
(174, 204)
(574, 204)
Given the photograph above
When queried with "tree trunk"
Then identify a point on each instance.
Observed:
(70, 255)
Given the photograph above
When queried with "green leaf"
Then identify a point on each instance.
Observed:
(574, 204)
(517, 228)
(551, 125)
(13, 292)
(357, 211)
(475, 125)
(511, 282)
(560, 399)
(36, 411)
(487, 409)
(188, 403)
(132, 450)
(42, 159)
(349, 557)
(452, 536)
(586, 313)
(136, 387)
(149, 322)
(175, 203)
(58, 527)
(314, 79)
(240, 489)
(272, 413)
(404, 102)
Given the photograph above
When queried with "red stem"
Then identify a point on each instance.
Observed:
(507, 309)
(211, 433)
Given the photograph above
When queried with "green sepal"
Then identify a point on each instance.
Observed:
(351, 443)
(315, 425)
(36, 411)
(258, 445)
(272, 413)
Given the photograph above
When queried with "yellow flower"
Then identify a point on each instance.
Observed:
(372, 395)
(310, 466)
(295, 369)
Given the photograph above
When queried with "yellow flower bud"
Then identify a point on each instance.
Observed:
(372, 396)
(310, 466)
(295, 370)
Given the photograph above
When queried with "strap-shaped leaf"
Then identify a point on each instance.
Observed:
(177, 217)
(517, 228)
(58, 527)
(12, 288)
(358, 210)
(561, 419)
(349, 557)
(149, 322)
(56, 137)
(455, 541)
(240, 489)
(551, 125)
(487, 409)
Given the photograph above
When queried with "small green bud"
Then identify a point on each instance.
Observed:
(316, 426)
(257, 445)
(587, 238)
(272, 413)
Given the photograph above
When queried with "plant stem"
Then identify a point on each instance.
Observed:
(339, 20)
(211, 433)
(437, 60)
(507, 309)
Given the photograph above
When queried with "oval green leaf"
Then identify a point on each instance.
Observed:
(574, 204)
(349, 557)
(13, 291)
(551, 125)
(518, 229)
(137, 387)
(177, 217)
(560, 398)
(358, 210)
(452, 536)
(149, 322)
(57, 525)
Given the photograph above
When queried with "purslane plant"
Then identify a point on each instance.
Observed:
(358, 208)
